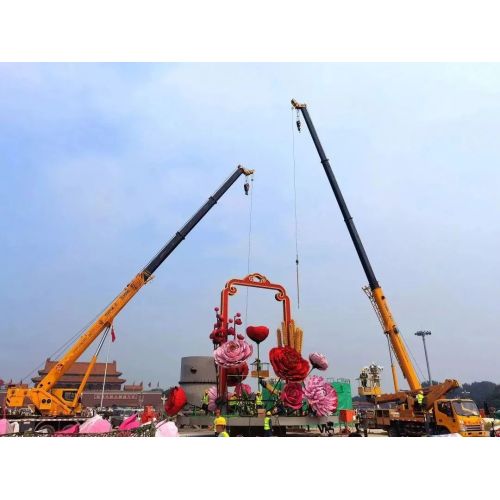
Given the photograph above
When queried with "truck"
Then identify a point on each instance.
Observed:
(53, 408)
(397, 412)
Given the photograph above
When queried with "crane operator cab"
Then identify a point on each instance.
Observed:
(459, 416)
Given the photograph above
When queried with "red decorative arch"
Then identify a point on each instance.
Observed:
(255, 280)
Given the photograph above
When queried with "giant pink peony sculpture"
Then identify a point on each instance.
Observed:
(318, 361)
(321, 396)
(232, 353)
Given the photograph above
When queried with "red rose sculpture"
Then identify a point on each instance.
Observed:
(288, 364)
(236, 374)
(292, 395)
(176, 401)
(258, 333)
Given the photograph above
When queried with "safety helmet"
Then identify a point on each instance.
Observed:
(220, 421)
(268, 413)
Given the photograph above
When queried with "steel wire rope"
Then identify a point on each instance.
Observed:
(411, 354)
(249, 247)
(68, 342)
(413, 357)
(295, 215)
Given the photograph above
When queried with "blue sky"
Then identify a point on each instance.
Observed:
(102, 163)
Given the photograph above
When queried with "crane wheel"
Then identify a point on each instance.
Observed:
(45, 429)
(393, 432)
(439, 431)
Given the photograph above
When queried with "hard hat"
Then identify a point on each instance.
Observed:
(420, 391)
(268, 413)
(220, 421)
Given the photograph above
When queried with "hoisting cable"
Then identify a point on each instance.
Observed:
(393, 367)
(249, 188)
(297, 123)
(422, 376)
(60, 349)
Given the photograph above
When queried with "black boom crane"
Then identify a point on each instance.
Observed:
(60, 402)
(377, 296)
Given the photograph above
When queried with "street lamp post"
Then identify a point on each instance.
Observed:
(423, 333)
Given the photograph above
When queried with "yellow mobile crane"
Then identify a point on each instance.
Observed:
(53, 403)
(438, 415)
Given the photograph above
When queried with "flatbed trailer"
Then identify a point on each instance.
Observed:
(254, 426)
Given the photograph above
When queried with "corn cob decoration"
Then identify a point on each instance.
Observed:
(290, 336)
(299, 337)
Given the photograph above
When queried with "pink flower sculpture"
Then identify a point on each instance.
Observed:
(166, 429)
(321, 396)
(5, 427)
(130, 423)
(212, 397)
(242, 388)
(292, 395)
(318, 361)
(70, 431)
(95, 425)
(232, 353)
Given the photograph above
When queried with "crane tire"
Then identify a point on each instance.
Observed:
(393, 431)
(45, 429)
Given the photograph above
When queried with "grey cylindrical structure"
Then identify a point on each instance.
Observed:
(197, 374)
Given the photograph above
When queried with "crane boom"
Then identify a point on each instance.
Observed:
(390, 327)
(41, 396)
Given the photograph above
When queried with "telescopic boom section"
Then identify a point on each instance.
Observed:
(390, 327)
(107, 317)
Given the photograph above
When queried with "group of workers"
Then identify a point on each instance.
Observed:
(233, 402)
(220, 423)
